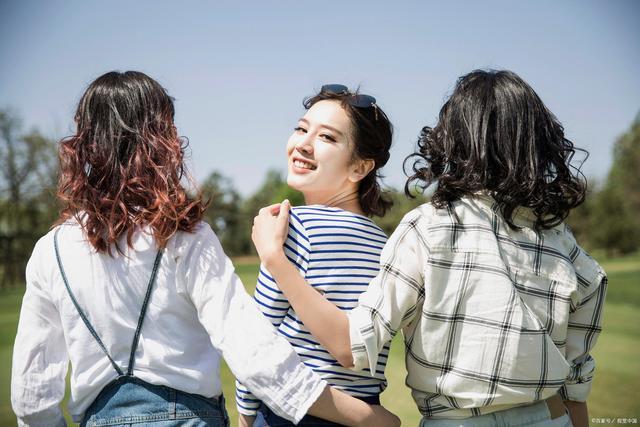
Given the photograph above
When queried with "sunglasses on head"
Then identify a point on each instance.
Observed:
(358, 100)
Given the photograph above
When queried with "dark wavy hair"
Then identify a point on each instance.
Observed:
(372, 136)
(122, 169)
(494, 134)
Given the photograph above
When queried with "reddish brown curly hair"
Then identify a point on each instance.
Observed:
(123, 168)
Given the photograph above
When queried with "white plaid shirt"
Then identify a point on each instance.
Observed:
(492, 317)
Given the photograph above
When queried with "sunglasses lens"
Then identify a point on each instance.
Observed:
(362, 101)
(358, 100)
(334, 88)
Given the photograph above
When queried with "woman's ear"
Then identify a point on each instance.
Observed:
(361, 168)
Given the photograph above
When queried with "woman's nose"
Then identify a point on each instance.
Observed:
(305, 144)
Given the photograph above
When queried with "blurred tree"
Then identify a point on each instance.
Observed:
(224, 212)
(615, 222)
(401, 206)
(274, 189)
(581, 218)
(28, 169)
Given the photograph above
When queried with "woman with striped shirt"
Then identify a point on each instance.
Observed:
(499, 306)
(334, 155)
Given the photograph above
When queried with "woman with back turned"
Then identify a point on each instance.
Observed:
(498, 304)
(135, 291)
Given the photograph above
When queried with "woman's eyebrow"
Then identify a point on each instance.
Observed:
(331, 128)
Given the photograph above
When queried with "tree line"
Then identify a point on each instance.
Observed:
(608, 220)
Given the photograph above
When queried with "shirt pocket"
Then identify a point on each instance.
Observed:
(547, 302)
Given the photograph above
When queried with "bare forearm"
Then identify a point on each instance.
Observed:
(578, 412)
(341, 408)
(328, 324)
(245, 420)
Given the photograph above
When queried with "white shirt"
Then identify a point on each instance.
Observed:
(198, 311)
(492, 317)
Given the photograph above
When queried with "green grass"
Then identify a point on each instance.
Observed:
(617, 353)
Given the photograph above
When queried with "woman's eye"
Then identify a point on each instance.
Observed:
(300, 129)
(327, 137)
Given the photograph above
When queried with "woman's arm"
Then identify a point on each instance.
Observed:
(260, 358)
(341, 408)
(578, 413)
(583, 329)
(245, 420)
(328, 324)
(40, 357)
(390, 302)
(274, 306)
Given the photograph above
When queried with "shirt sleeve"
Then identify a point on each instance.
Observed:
(272, 302)
(584, 327)
(257, 356)
(391, 300)
(40, 358)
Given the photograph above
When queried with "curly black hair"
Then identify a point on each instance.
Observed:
(495, 135)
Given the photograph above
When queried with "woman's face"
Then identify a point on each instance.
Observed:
(320, 154)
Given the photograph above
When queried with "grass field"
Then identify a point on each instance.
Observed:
(617, 353)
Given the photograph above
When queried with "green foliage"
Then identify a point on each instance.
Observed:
(232, 218)
(224, 212)
(609, 218)
(401, 206)
(28, 170)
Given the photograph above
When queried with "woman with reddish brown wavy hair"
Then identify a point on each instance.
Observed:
(123, 168)
(144, 325)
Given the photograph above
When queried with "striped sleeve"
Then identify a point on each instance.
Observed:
(270, 299)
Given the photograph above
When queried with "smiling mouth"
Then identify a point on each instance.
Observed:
(303, 165)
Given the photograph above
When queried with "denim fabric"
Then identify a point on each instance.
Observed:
(266, 418)
(534, 415)
(129, 401)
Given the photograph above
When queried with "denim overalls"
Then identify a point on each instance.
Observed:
(128, 400)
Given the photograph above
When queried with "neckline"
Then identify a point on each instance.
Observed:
(336, 209)
(520, 212)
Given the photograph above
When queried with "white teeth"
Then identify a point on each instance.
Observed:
(303, 165)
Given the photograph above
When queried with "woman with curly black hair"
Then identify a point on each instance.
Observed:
(498, 304)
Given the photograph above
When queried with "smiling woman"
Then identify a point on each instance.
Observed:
(320, 155)
(349, 136)
(334, 156)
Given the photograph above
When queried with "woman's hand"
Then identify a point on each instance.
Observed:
(270, 229)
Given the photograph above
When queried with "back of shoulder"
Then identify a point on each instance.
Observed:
(314, 221)
(426, 220)
(42, 264)
(201, 239)
(589, 274)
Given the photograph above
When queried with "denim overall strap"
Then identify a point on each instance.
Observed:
(84, 318)
(143, 311)
(77, 306)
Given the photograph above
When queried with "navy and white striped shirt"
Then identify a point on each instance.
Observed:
(338, 253)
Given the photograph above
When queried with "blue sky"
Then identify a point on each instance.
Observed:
(239, 70)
